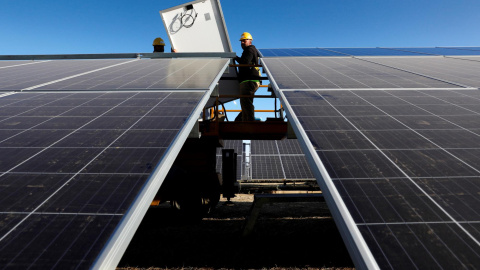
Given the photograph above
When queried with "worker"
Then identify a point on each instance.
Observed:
(159, 45)
(249, 77)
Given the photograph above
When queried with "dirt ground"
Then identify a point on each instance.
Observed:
(287, 236)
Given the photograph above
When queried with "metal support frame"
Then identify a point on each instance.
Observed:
(213, 124)
(261, 199)
(217, 111)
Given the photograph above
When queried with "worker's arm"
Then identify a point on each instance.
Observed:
(247, 56)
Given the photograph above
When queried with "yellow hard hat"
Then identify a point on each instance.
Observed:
(246, 35)
(158, 41)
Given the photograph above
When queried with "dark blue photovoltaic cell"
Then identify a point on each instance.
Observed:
(4, 64)
(43, 250)
(266, 168)
(24, 76)
(439, 51)
(342, 73)
(236, 145)
(283, 52)
(296, 167)
(266, 147)
(463, 48)
(107, 75)
(289, 147)
(147, 74)
(372, 52)
(292, 163)
(462, 72)
(298, 52)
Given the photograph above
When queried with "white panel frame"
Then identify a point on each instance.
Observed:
(209, 27)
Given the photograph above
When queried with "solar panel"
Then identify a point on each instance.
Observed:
(398, 168)
(266, 168)
(289, 147)
(15, 63)
(295, 52)
(471, 58)
(106, 75)
(466, 73)
(342, 73)
(463, 48)
(298, 52)
(285, 156)
(78, 170)
(150, 74)
(26, 76)
(296, 167)
(371, 51)
(264, 147)
(438, 51)
(413, 51)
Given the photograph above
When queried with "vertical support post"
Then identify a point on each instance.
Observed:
(235, 156)
(243, 175)
(216, 109)
(228, 173)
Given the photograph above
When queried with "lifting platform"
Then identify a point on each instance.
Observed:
(268, 130)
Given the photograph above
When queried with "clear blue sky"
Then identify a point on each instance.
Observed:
(95, 26)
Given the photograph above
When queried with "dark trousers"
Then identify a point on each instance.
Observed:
(248, 110)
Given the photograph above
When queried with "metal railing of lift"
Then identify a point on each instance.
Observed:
(216, 112)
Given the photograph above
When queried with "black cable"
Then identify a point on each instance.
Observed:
(187, 16)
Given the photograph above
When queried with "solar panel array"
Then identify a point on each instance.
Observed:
(462, 73)
(79, 168)
(394, 143)
(278, 160)
(296, 52)
(299, 52)
(439, 51)
(344, 73)
(464, 48)
(114, 74)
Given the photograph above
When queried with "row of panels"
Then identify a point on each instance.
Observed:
(373, 73)
(269, 160)
(108, 75)
(398, 165)
(279, 168)
(412, 51)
